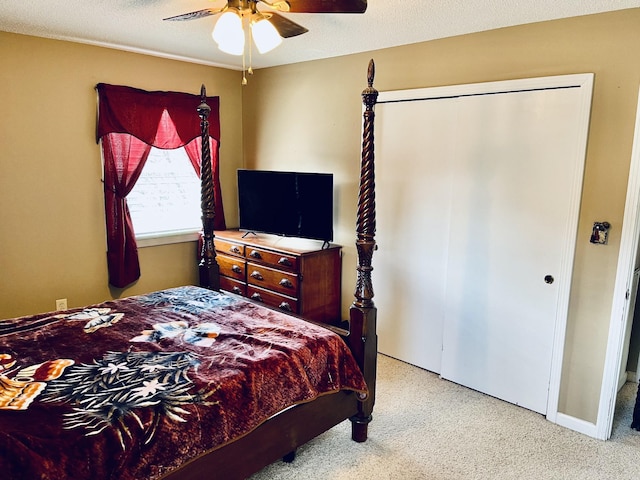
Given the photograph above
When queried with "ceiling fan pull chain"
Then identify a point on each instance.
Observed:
(250, 71)
(244, 70)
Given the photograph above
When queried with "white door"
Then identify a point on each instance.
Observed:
(413, 166)
(632, 293)
(478, 196)
(511, 218)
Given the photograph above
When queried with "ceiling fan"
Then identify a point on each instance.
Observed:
(266, 29)
(284, 27)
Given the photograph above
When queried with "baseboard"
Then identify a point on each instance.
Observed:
(632, 377)
(622, 380)
(577, 425)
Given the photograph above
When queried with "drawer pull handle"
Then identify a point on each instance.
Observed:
(255, 254)
(256, 296)
(236, 269)
(285, 282)
(237, 290)
(257, 275)
(285, 306)
(234, 249)
(284, 261)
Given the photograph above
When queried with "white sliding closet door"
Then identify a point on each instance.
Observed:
(512, 216)
(413, 158)
(478, 192)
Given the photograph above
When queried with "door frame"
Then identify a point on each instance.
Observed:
(627, 257)
(584, 81)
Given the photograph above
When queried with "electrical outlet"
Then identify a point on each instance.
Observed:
(61, 304)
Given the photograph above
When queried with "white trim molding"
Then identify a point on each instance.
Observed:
(577, 425)
(630, 236)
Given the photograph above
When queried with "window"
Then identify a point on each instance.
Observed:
(165, 202)
(131, 122)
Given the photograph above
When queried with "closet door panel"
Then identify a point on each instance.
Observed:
(511, 225)
(414, 145)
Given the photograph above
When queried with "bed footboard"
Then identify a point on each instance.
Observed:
(363, 340)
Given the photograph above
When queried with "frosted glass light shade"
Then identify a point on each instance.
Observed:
(233, 47)
(265, 35)
(228, 33)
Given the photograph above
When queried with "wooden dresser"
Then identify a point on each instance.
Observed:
(292, 274)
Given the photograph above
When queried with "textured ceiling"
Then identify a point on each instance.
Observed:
(136, 25)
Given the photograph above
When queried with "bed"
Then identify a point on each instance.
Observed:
(188, 382)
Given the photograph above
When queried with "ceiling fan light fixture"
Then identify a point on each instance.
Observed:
(265, 35)
(232, 47)
(228, 33)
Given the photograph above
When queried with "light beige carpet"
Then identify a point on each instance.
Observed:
(432, 429)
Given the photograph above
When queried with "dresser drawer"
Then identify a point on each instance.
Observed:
(232, 248)
(234, 267)
(275, 259)
(272, 299)
(233, 286)
(272, 279)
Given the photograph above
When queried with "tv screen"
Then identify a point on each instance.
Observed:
(291, 204)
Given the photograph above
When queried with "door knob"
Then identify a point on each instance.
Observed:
(549, 279)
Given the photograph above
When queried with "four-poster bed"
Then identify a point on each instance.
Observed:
(164, 385)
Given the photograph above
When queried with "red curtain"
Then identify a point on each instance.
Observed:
(130, 122)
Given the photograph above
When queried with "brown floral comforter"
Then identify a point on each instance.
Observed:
(132, 388)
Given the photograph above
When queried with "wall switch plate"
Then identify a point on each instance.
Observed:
(61, 304)
(600, 233)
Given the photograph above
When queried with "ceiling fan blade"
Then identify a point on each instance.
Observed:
(195, 15)
(327, 6)
(285, 27)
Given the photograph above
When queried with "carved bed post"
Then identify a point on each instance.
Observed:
(363, 311)
(209, 269)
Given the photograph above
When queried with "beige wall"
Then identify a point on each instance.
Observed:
(308, 116)
(52, 233)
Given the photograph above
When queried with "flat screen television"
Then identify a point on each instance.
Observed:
(292, 204)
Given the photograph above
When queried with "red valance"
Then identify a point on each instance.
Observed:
(141, 114)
